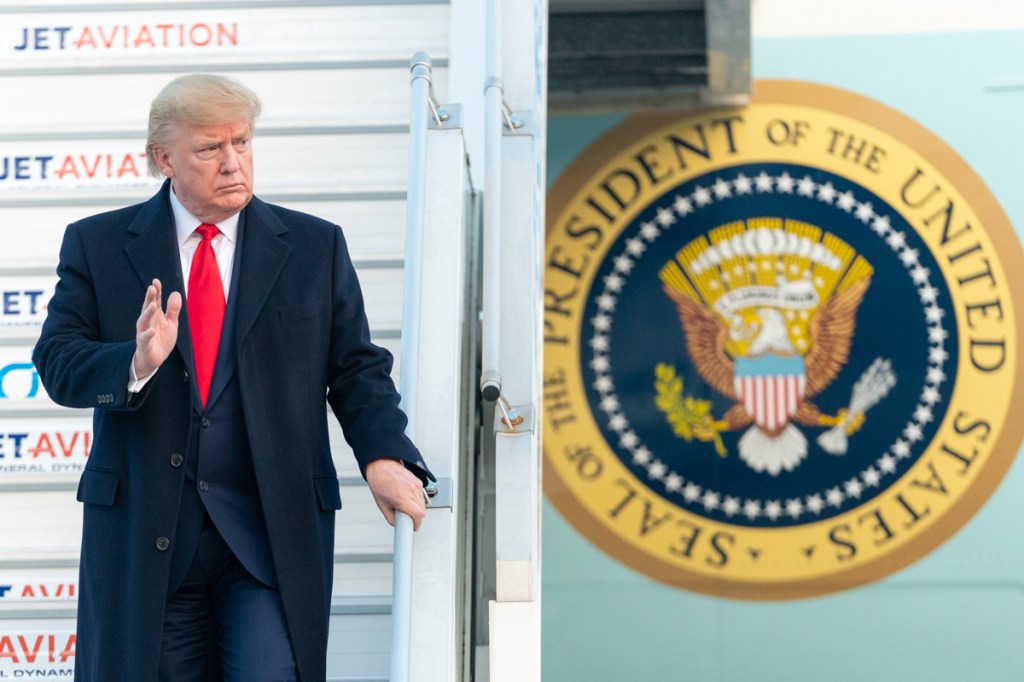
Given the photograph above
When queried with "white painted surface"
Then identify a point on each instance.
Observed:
(44, 450)
(20, 387)
(32, 586)
(120, 102)
(39, 648)
(514, 616)
(466, 76)
(282, 35)
(331, 142)
(437, 625)
(369, 162)
(515, 641)
(23, 302)
(514, 627)
(805, 18)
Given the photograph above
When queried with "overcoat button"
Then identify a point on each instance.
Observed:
(206, 422)
(162, 544)
(184, 376)
(204, 486)
(176, 460)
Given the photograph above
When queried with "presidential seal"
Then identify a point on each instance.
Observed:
(781, 344)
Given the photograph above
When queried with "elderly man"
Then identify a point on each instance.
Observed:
(210, 494)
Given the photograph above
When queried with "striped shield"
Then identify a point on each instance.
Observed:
(770, 388)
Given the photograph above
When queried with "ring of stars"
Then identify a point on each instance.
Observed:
(695, 495)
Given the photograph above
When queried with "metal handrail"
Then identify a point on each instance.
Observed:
(422, 107)
(490, 377)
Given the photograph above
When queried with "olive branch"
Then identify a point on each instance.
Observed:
(690, 418)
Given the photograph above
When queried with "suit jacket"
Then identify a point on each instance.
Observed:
(300, 333)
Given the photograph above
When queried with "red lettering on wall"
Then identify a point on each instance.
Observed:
(67, 167)
(30, 657)
(7, 649)
(43, 446)
(85, 39)
(69, 649)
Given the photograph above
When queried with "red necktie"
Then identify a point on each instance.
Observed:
(205, 308)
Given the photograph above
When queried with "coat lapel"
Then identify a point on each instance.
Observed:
(264, 253)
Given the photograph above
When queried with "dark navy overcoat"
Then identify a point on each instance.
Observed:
(300, 335)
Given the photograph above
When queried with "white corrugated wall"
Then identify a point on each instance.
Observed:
(76, 79)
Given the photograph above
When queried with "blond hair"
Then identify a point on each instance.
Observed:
(195, 100)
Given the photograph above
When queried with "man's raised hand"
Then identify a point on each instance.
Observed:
(156, 331)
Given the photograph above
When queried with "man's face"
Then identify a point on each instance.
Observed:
(210, 168)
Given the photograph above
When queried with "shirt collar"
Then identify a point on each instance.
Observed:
(185, 223)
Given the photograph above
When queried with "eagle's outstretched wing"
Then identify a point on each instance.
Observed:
(705, 340)
(831, 331)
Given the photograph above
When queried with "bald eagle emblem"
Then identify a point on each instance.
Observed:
(768, 307)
